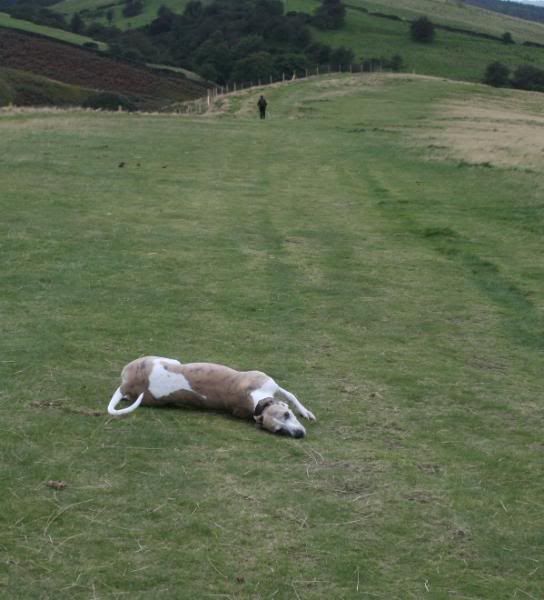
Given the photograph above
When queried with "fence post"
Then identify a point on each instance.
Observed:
(317, 69)
(283, 76)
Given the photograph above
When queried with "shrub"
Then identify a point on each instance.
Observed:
(133, 8)
(396, 63)
(342, 56)
(258, 65)
(6, 93)
(527, 77)
(422, 30)
(507, 38)
(109, 101)
(330, 15)
(497, 74)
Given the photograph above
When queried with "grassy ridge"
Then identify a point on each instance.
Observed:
(398, 296)
(57, 34)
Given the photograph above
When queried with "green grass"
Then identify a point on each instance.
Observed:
(96, 10)
(452, 55)
(57, 34)
(457, 14)
(399, 297)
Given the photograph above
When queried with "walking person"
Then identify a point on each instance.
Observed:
(262, 107)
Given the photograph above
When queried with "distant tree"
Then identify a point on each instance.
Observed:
(290, 63)
(319, 53)
(163, 23)
(259, 65)
(133, 8)
(528, 77)
(76, 23)
(507, 38)
(422, 30)
(249, 44)
(341, 56)
(193, 9)
(497, 74)
(396, 63)
(330, 15)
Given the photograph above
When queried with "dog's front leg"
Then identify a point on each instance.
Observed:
(302, 410)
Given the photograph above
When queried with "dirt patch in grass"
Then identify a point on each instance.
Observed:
(490, 135)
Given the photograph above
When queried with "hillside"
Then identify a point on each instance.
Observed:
(528, 11)
(9, 22)
(26, 89)
(454, 53)
(467, 40)
(447, 12)
(376, 246)
(71, 65)
(242, 42)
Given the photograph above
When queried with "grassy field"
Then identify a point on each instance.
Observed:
(356, 247)
(445, 12)
(57, 34)
(96, 10)
(452, 55)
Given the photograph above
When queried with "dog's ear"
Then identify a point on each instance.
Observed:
(261, 405)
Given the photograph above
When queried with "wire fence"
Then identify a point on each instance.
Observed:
(203, 104)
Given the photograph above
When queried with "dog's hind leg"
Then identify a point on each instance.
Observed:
(302, 410)
(116, 398)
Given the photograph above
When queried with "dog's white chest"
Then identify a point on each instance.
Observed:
(163, 382)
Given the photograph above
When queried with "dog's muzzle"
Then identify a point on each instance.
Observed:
(296, 433)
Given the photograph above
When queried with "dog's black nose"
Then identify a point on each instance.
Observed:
(298, 433)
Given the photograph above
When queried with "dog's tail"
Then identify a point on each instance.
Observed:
(116, 398)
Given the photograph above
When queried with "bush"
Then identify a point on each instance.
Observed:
(497, 74)
(396, 63)
(342, 56)
(507, 38)
(6, 93)
(527, 77)
(76, 24)
(258, 65)
(422, 30)
(330, 15)
(133, 8)
(109, 101)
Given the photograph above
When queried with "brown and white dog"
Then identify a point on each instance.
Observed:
(157, 381)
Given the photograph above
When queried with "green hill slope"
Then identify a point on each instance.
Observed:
(457, 14)
(452, 54)
(446, 12)
(9, 22)
(378, 29)
(376, 246)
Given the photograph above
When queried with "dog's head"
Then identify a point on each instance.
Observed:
(275, 416)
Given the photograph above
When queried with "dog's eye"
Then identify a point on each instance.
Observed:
(286, 415)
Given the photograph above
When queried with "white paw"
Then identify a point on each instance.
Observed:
(307, 414)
